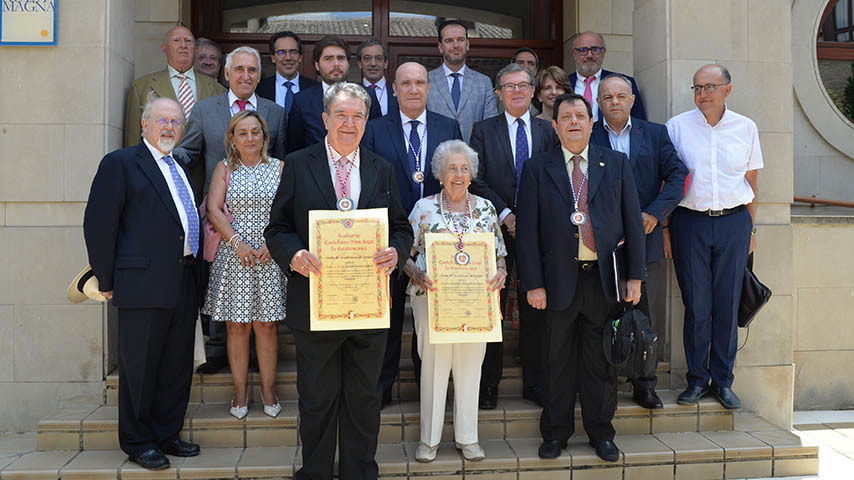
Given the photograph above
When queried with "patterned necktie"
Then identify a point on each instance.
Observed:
(189, 206)
(343, 184)
(289, 97)
(414, 146)
(185, 95)
(241, 104)
(455, 90)
(578, 179)
(522, 152)
(588, 92)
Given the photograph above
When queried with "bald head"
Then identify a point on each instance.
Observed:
(714, 69)
(411, 86)
(179, 46)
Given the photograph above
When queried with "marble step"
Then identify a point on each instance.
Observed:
(756, 449)
(94, 427)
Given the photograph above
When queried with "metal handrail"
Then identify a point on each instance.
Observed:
(813, 201)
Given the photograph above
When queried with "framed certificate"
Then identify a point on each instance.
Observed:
(350, 293)
(462, 309)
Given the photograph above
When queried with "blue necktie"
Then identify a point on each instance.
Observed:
(414, 145)
(289, 97)
(455, 90)
(189, 206)
(521, 151)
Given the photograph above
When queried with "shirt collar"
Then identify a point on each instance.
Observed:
(701, 119)
(354, 157)
(233, 98)
(421, 118)
(596, 75)
(280, 79)
(567, 155)
(325, 86)
(627, 128)
(173, 73)
(526, 117)
(380, 83)
(448, 71)
(157, 154)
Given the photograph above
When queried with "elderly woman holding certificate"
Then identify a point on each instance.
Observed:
(452, 211)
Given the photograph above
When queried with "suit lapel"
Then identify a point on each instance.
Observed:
(556, 167)
(368, 175)
(162, 86)
(468, 89)
(148, 165)
(223, 110)
(433, 137)
(635, 140)
(538, 136)
(319, 166)
(397, 140)
(503, 132)
(595, 170)
(441, 84)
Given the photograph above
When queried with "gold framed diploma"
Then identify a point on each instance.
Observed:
(462, 309)
(350, 293)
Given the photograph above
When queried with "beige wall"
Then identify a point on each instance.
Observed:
(153, 19)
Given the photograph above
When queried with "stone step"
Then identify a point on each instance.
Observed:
(218, 387)
(94, 427)
(761, 451)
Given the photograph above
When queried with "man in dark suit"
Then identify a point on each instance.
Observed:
(142, 234)
(588, 50)
(575, 205)
(282, 87)
(660, 179)
(332, 62)
(372, 59)
(337, 371)
(409, 148)
(503, 144)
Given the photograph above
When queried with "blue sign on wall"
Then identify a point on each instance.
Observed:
(28, 22)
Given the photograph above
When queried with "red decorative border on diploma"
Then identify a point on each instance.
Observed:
(462, 328)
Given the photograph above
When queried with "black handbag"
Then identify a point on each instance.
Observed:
(631, 344)
(754, 296)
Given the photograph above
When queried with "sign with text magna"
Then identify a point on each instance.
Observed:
(28, 22)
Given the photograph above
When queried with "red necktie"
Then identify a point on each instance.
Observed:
(581, 195)
(588, 93)
(241, 104)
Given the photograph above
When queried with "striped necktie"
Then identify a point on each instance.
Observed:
(189, 206)
(185, 95)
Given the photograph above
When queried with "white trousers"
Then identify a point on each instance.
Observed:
(437, 363)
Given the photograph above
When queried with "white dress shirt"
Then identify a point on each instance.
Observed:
(232, 102)
(620, 142)
(422, 135)
(325, 86)
(176, 82)
(382, 93)
(179, 205)
(282, 90)
(450, 78)
(513, 127)
(717, 157)
(355, 177)
(594, 89)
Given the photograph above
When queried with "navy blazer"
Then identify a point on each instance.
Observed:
(307, 185)
(496, 171)
(384, 136)
(267, 87)
(637, 109)
(133, 232)
(659, 174)
(305, 124)
(546, 241)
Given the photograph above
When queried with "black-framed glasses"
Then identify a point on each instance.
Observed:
(708, 88)
(594, 50)
(521, 86)
(292, 52)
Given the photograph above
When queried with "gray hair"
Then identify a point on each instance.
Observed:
(152, 100)
(369, 43)
(453, 147)
(243, 49)
(204, 42)
(617, 76)
(346, 88)
(512, 68)
(589, 32)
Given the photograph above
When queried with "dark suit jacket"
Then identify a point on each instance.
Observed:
(133, 232)
(546, 241)
(637, 109)
(267, 87)
(654, 162)
(393, 106)
(384, 136)
(305, 124)
(496, 172)
(306, 185)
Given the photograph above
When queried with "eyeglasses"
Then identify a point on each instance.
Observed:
(522, 86)
(376, 58)
(163, 122)
(708, 88)
(284, 53)
(593, 50)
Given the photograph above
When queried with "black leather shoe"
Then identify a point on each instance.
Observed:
(213, 365)
(180, 448)
(647, 398)
(551, 448)
(151, 459)
(727, 397)
(533, 394)
(386, 400)
(606, 450)
(488, 398)
(692, 395)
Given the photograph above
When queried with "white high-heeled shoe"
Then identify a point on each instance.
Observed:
(271, 410)
(239, 412)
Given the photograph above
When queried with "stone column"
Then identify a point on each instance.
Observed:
(752, 38)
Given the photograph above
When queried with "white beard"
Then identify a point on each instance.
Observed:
(165, 144)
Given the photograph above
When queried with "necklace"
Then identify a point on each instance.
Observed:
(250, 171)
(464, 226)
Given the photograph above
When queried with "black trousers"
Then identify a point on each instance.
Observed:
(576, 363)
(391, 359)
(337, 374)
(155, 370)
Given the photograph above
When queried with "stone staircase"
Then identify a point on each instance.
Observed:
(677, 442)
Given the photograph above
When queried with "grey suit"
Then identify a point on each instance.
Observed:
(206, 132)
(477, 100)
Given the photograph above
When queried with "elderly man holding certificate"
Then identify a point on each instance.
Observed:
(458, 257)
(338, 315)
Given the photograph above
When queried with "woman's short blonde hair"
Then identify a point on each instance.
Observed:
(232, 156)
(453, 147)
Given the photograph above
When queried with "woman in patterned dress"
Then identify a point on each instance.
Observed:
(246, 289)
(453, 210)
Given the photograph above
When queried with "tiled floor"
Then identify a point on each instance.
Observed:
(833, 432)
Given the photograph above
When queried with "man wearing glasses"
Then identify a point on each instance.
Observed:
(286, 53)
(372, 58)
(711, 232)
(588, 50)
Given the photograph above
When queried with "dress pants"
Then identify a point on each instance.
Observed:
(156, 369)
(710, 255)
(576, 363)
(651, 290)
(337, 375)
(438, 362)
(391, 359)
